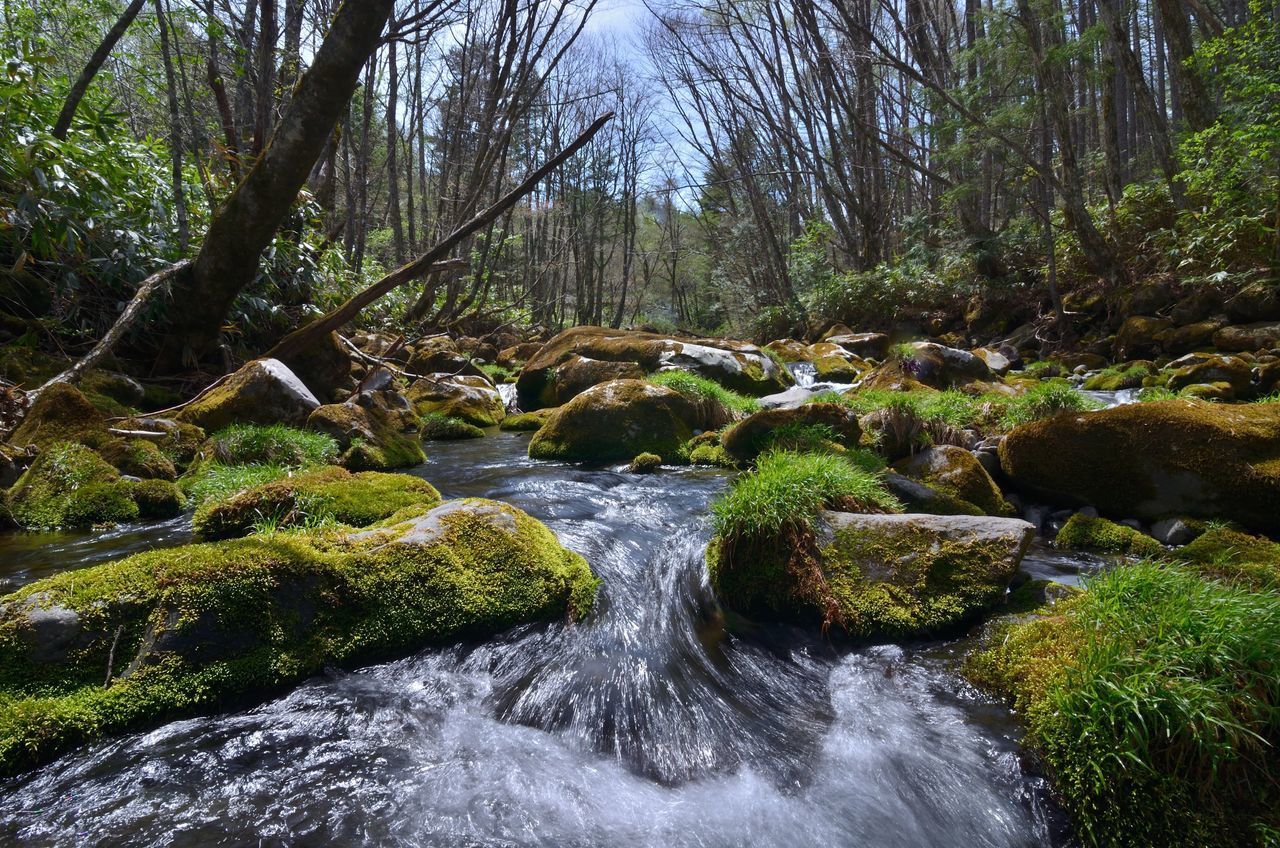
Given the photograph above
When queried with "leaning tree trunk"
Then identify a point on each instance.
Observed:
(94, 65)
(244, 227)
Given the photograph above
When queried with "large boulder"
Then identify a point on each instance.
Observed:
(738, 366)
(957, 472)
(578, 373)
(874, 345)
(833, 364)
(376, 431)
(789, 428)
(178, 631)
(1152, 460)
(1139, 337)
(881, 576)
(467, 398)
(616, 421)
(264, 391)
(61, 413)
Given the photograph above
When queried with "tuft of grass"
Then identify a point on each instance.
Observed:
(1274, 397)
(777, 359)
(790, 488)
(1153, 699)
(1045, 401)
(275, 444)
(1151, 394)
(214, 481)
(499, 374)
(692, 385)
(902, 351)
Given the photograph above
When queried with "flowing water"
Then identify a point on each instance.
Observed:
(649, 725)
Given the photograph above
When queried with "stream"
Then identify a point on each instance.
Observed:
(649, 725)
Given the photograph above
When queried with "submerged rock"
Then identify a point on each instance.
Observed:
(1151, 460)
(208, 626)
(615, 421)
(264, 391)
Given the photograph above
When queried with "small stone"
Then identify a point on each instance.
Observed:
(1172, 531)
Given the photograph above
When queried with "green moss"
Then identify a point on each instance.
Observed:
(614, 421)
(158, 498)
(1119, 377)
(314, 498)
(1236, 557)
(442, 427)
(70, 486)
(906, 581)
(526, 422)
(645, 463)
(955, 472)
(1153, 701)
(811, 427)
(1151, 460)
(372, 439)
(207, 626)
(61, 414)
(714, 455)
(140, 458)
(274, 444)
(1091, 533)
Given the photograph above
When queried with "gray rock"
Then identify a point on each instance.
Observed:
(1172, 531)
(50, 631)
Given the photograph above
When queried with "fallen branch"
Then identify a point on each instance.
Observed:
(130, 314)
(303, 338)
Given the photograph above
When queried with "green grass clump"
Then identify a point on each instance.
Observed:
(788, 487)
(953, 408)
(1154, 700)
(1153, 394)
(213, 481)
(499, 374)
(1274, 397)
(1045, 401)
(692, 385)
(275, 444)
(436, 426)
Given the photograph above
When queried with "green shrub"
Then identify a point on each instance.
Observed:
(692, 385)
(1154, 701)
(788, 487)
(274, 444)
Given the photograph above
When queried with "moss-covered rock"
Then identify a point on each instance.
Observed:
(1257, 336)
(808, 426)
(645, 463)
(311, 498)
(874, 345)
(1138, 337)
(140, 458)
(209, 626)
(917, 496)
(881, 576)
(1130, 375)
(264, 391)
(957, 472)
(61, 413)
(789, 350)
(470, 399)
(1091, 533)
(578, 373)
(1235, 371)
(615, 421)
(376, 431)
(933, 365)
(527, 422)
(737, 366)
(1230, 555)
(69, 485)
(158, 499)
(834, 364)
(437, 427)
(1151, 460)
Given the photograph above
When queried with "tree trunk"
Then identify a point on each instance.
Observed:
(117, 31)
(175, 131)
(243, 228)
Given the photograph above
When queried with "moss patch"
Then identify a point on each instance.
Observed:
(441, 427)
(70, 486)
(1091, 533)
(313, 498)
(526, 422)
(158, 499)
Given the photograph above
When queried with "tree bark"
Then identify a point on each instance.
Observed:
(81, 85)
(243, 228)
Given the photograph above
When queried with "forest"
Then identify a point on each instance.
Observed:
(849, 422)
